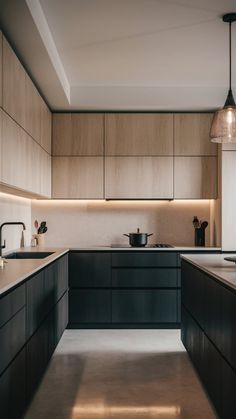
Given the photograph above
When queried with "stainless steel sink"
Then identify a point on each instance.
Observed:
(28, 255)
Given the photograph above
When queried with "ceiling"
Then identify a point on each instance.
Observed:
(124, 54)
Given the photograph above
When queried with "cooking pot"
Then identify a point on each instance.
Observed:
(138, 239)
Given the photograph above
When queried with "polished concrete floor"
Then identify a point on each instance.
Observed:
(120, 374)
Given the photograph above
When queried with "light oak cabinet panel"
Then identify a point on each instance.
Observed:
(78, 134)
(14, 85)
(22, 101)
(18, 154)
(195, 177)
(139, 177)
(32, 108)
(77, 177)
(137, 134)
(24, 164)
(45, 127)
(1, 68)
(45, 173)
(191, 135)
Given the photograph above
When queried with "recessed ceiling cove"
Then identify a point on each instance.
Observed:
(137, 54)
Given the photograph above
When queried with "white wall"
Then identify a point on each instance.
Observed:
(228, 202)
(13, 208)
(91, 223)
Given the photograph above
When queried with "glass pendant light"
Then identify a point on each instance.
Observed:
(223, 128)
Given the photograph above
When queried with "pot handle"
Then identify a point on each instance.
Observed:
(148, 235)
(127, 235)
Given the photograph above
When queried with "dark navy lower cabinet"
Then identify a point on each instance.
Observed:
(33, 317)
(124, 289)
(209, 335)
(144, 306)
(13, 388)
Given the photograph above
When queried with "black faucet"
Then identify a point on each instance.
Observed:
(7, 224)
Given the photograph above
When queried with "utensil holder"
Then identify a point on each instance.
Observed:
(40, 239)
(199, 237)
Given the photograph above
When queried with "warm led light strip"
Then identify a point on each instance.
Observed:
(126, 410)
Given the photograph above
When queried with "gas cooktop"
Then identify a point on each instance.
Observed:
(159, 245)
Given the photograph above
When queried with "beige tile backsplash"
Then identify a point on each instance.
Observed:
(95, 223)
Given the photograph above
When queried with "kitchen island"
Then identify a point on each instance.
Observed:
(208, 318)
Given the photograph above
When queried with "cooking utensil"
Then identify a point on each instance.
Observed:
(138, 239)
(36, 224)
(195, 222)
(204, 225)
(42, 228)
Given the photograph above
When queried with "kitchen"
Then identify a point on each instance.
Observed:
(106, 121)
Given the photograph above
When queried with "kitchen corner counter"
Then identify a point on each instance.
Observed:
(17, 270)
(215, 266)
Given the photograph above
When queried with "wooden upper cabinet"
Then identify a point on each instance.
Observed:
(32, 108)
(138, 134)
(139, 177)
(14, 85)
(77, 177)
(45, 127)
(0, 68)
(195, 177)
(191, 135)
(24, 164)
(78, 134)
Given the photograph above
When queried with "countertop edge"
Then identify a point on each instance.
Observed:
(41, 263)
(210, 272)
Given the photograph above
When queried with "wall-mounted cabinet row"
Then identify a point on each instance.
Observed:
(99, 155)
(22, 101)
(134, 177)
(132, 134)
(25, 130)
(133, 156)
(23, 162)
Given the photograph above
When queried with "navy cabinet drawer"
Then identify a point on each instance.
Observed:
(12, 338)
(13, 389)
(144, 306)
(145, 278)
(61, 276)
(11, 303)
(89, 306)
(90, 269)
(144, 259)
(37, 304)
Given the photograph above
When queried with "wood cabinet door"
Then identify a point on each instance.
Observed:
(195, 177)
(191, 135)
(77, 177)
(78, 134)
(20, 158)
(45, 169)
(14, 85)
(1, 41)
(45, 127)
(139, 178)
(32, 108)
(137, 134)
